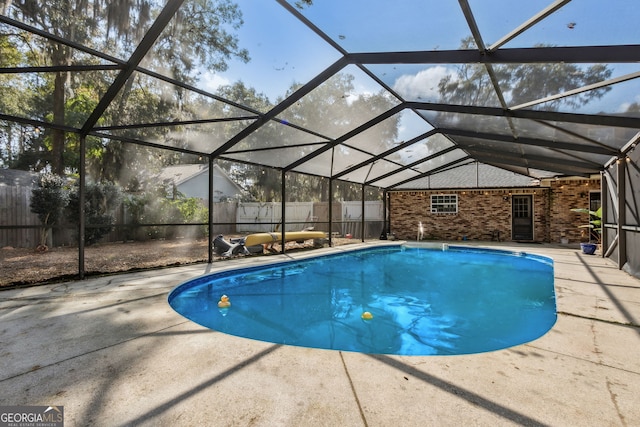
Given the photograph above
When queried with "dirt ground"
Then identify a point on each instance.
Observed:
(26, 267)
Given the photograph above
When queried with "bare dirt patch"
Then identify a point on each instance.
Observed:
(26, 267)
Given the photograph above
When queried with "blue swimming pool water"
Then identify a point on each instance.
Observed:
(423, 301)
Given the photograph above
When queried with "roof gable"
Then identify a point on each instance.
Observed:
(476, 175)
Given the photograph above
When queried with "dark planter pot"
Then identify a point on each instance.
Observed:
(588, 248)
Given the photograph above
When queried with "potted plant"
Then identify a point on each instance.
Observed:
(594, 228)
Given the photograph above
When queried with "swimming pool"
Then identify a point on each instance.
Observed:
(422, 301)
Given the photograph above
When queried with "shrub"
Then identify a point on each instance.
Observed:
(156, 209)
(48, 199)
(101, 199)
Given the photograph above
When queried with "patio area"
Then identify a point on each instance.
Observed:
(114, 353)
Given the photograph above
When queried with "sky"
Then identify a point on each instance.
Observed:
(284, 51)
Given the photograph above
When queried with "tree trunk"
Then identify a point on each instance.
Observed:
(61, 55)
(57, 136)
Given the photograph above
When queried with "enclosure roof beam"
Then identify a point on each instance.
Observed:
(473, 25)
(545, 161)
(510, 168)
(431, 172)
(37, 123)
(147, 144)
(531, 141)
(631, 144)
(549, 159)
(291, 9)
(136, 57)
(120, 64)
(475, 31)
(528, 24)
(174, 123)
(289, 101)
(587, 88)
(194, 89)
(591, 119)
(571, 133)
(280, 147)
(60, 69)
(61, 40)
(387, 153)
(414, 164)
(578, 54)
(347, 136)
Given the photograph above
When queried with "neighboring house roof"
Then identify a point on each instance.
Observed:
(15, 177)
(476, 175)
(179, 174)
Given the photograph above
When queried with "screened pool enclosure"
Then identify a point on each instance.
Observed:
(331, 103)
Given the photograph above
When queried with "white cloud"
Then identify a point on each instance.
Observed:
(351, 98)
(211, 82)
(623, 107)
(423, 85)
(411, 125)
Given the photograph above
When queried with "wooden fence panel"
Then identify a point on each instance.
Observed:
(15, 211)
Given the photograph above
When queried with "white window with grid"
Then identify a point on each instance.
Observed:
(444, 203)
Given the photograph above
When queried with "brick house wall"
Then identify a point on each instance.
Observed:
(566, 195)
(481, 211)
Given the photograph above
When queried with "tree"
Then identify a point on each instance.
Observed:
(48, 199)
(196, 37)
(100, 200)
(522, 82)
(15, 139)
(300, 4)
(331, 109)
(73, 20)
(519, 84)
(633, 108)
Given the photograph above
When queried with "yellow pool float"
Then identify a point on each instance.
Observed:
(224, 302)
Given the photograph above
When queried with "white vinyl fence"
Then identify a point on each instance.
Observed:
(352, 217)
(261, 217)
(249, 218)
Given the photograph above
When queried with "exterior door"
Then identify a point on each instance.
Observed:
(522, 209)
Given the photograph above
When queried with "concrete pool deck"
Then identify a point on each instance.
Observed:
(113, 353)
